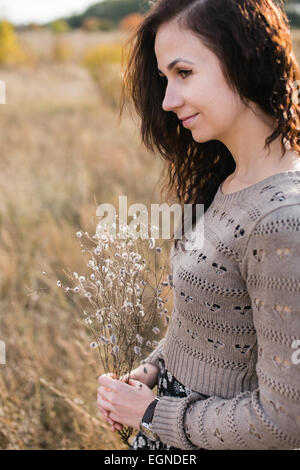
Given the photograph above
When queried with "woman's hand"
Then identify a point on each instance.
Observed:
(114, 426)
(126, 403)
(146, 373)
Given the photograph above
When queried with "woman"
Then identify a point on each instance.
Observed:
(231, 341)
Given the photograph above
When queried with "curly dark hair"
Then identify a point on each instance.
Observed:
(252, 41)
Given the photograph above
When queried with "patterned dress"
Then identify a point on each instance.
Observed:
(170, 387)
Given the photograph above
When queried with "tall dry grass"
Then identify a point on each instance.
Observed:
(61, 155)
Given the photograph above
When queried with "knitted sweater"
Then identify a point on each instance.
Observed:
(235, 324)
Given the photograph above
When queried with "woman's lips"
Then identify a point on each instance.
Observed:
(189, 120)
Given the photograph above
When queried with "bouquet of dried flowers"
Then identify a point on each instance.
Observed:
(123, 299)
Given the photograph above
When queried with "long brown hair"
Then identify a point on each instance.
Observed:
(252, 41)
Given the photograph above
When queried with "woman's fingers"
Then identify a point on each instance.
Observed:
(103, 409)
(104, 403)
(105, 406)
(105, 414)
(115, 424)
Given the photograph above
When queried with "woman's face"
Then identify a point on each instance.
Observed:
(197, 87)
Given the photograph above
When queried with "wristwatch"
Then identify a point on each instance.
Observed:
(146, 422)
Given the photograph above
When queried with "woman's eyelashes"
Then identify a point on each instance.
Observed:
(180, 72)
(187, 72)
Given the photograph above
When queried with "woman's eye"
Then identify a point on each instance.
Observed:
(180, 72)
(184, 72)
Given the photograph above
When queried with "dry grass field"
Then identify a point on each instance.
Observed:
(61, 155)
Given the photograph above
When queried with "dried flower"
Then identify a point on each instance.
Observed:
(151, 243)
(104, 340)
(110, 276)
(126, 297)
(139, 338)
(99, 317)
(156, 330)
(113, 339)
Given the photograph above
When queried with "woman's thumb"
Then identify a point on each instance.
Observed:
(135, 383)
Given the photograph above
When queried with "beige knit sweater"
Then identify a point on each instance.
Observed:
(235, 325)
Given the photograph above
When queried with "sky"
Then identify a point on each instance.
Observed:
(42, 11)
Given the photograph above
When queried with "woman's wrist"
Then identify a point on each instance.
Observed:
(147, 374)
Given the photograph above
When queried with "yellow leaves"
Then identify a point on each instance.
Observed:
(104, 64)
(11, 52)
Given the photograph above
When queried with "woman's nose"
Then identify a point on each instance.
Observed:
(171, 101)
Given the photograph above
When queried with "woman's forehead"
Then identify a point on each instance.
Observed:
(172, 42)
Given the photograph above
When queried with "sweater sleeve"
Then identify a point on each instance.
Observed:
(155, 354)
(269, 416)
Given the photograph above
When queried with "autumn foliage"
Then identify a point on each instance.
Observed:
(130, 22)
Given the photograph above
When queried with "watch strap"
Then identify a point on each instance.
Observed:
(148, 416)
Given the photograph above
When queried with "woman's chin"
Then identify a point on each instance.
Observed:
(200, 137)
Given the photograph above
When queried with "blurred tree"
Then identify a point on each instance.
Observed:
(33, 27)
(104, 64)
(11, 52)
(112, 11)
(116, 10)
(92, 23)
(106, 25)
(59, 26)
(130, 21)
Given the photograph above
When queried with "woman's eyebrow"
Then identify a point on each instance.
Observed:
(174, 62)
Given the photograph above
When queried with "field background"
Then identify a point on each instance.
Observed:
(62, 154)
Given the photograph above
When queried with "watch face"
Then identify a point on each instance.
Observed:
(146, 429)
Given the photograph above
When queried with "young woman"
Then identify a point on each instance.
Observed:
(215, 85)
